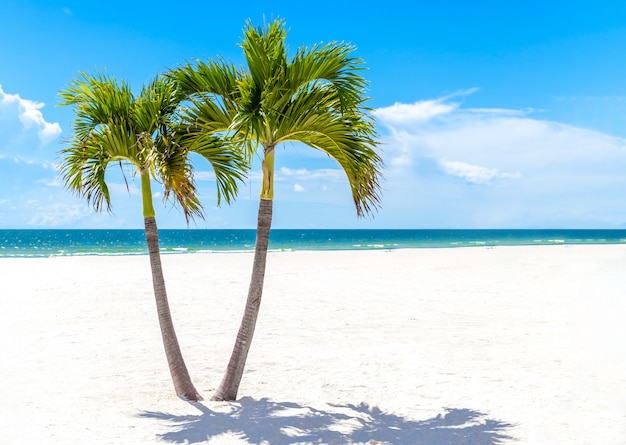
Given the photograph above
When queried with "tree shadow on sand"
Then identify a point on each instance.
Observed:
(284, 423)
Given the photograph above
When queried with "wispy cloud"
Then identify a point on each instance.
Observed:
(528, 168)
(57, 214)
(475, 174)
(20, 160)
(204, 175)
(122, 189)
(420, 111)
(51, 182)
(303, 174)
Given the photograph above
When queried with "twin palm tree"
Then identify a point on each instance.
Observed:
(113, 126)
(316, 98)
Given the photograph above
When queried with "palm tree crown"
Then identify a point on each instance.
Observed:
(317, 98)
(112, 125)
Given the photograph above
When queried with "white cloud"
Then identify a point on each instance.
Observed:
(209, 175)
(532, 172)
(57, 214)
(51, 182)
(475, 174)
(21, 160)
(123, 189)
(327, 174)
(48, 131)
(420, 111)
(298, 188)
(204, 176)
(29, 115)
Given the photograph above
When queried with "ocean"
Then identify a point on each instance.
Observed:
(44, 243)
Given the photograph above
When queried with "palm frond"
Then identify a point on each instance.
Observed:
(214, 77)
(333, 64)
(349, 139)
(112, 124)
(97, 101)
(225, 156)
(83, 170)
(176, 173)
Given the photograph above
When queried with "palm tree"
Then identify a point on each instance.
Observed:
(316, 98)
(112, 126)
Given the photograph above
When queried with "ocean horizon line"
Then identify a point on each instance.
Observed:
(596, 229)
(72, 242)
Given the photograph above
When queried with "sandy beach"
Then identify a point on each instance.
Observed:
(520, 345)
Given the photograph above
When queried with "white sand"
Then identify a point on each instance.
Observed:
(525, 342)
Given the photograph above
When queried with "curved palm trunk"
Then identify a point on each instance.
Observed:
(230, 384)
(182, 381)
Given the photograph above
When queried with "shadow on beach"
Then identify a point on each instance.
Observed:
(285, 423)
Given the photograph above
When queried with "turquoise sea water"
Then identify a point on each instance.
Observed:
(43, 243)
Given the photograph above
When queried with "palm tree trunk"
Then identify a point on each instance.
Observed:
(230, 384)
(182, 381)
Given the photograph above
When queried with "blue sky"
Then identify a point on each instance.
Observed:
(491, 114)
